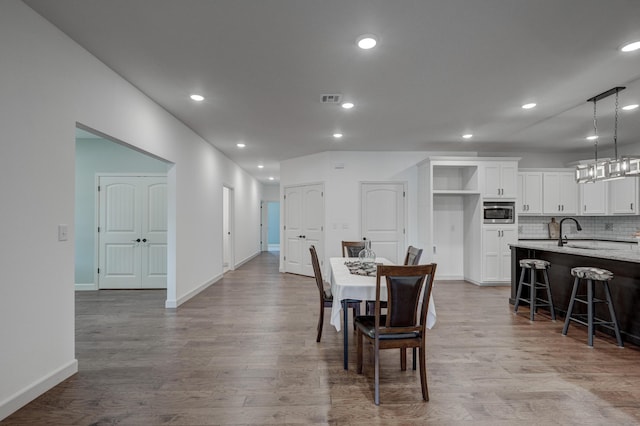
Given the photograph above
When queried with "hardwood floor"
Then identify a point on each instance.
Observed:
(244, 352)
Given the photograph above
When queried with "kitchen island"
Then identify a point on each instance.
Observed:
(623, 259)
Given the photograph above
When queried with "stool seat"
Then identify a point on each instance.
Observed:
(534, 263)
(531, 268)
(590, 273)
(590, 276)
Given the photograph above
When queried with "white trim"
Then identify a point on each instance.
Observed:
(34, 390)
(242, 262)
(86, 287)
(173, 304)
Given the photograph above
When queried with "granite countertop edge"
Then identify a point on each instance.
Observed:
(631, 254)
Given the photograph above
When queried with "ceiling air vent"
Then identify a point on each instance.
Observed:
(331, 98)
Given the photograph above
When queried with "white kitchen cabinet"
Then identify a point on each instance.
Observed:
(496, 254)
(529, 193)
(593, 199)
(500, 179)
(560, 193)
(623, 196)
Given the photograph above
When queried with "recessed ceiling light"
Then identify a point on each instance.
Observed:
(337, 135)
(348, 105)
(631, 47)
(240, 145)
(260, 166)
(467, 136)
(592, 137)
(630, 107)
(197, 98)
(529, 106)
(271, 178)
(367, 41)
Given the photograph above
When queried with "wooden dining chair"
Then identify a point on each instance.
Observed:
(405, 322)
(352, 248)
(326, 298)
(411, 258)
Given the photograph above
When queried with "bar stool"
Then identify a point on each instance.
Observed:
(591, 276)
(533, 266)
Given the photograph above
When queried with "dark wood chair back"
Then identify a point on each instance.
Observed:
(413, 256)
(317, 272)
(352, 248)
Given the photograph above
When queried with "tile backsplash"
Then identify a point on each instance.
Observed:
(599, 227)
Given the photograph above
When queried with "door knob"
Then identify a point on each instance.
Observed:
(144, 240)
(136, 241)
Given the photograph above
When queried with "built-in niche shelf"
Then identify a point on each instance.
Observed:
(458, 179)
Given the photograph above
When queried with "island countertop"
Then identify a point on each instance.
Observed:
(621, 251)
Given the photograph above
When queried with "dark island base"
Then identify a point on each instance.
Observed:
(625, 288)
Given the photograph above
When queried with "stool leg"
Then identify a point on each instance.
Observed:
(612, 313)
(572, 301)
(534, 292)
(546, 281)
(519, 293)
(590, 329)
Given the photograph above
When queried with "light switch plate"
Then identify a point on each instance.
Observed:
(63, 232)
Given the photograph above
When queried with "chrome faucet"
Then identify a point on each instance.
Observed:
(560, 242)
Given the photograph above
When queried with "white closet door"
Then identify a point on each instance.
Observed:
(132, 247)
(383, 219)
(304, 226)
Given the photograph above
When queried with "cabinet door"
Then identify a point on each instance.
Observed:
(551, 193)
(623, 196)
(509, 235)
(532, 190)
(593, 198)
(568, 193)
(491, 254)
(508, 175)
(492, 188)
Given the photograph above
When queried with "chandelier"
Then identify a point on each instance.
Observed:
(606, 169)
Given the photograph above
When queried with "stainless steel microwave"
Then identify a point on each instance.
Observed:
(499, 211)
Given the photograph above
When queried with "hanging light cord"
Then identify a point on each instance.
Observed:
(615, 129)
(595, 130)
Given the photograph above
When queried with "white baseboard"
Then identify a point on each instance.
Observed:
(449, 277)
(86, 287)
(31, 392)
(173, 304)
(490, 283)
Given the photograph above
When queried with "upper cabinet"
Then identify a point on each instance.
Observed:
(593, 199)
(529, 193)
(623, 196)
(560, 193)
(500, 179)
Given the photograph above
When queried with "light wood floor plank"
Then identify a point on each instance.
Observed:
(244, 352)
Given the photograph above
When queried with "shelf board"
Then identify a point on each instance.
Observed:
(456, 192)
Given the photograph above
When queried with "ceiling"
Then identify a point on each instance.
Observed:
(440, 69)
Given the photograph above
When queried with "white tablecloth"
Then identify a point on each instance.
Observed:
(345, 285)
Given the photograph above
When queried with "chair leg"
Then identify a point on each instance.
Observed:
(320, 322)
(551, 308)
(423, 373)
(590, 328)
(572, 302)
(612, 313)
(359, 337)
(376, 374)
(533, 295)
(515, 307)
(414, 359)
(403, 359)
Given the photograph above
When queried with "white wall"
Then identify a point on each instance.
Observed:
(47, 84)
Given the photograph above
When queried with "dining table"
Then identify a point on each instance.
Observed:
(346, 285)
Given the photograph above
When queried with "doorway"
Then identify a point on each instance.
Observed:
(97, 154)
(228, 262)
(271, 226)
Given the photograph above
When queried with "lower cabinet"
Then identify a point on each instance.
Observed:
(496, 254)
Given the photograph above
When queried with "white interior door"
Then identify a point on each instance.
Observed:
(132, 232)
(383, 218)
(228, 262)
(304, 226)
